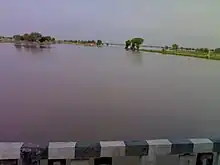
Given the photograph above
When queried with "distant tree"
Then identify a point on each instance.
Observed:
(26, 37)
(99, 42)
(205, 50)
(127, 44)
(17, 37)
(175, 46)
(22, 37)
(201, 49)
(136, 42)
(217, 50)
(133, 46)
(43, 39)
(166, 47)
(35, 36)
(48, 38)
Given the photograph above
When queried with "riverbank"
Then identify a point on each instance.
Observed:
(91, 43)
(211, 56)
(83, 44)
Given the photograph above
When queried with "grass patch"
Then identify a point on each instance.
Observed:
(213, 56)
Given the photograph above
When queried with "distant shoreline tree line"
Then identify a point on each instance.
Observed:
(201, 50)
(131, 44)
(83, 42)
(34, 37)
(38, 37)
(135, 43)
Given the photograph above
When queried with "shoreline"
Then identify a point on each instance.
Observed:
(213, 56)
(46, 43)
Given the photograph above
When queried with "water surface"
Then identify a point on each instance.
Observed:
(84, 93)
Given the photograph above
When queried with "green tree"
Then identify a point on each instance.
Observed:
(26, 37)
(136, 42)
(205, 50)
(48, 38)
(217, 50)
(17, 37)
(133, 46)
(127, 44)
(99, 42)
(166, 47)
(43, 39)
(163, 50)
(175, 47)
(34, 36)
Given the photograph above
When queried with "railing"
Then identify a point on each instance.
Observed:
(145, 152)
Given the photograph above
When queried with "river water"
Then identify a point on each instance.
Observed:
(82, 93)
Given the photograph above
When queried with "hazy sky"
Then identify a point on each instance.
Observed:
(194, 23)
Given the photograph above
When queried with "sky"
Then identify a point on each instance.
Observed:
(189, 23)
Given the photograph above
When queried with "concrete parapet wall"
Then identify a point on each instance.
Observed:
(146, 152)
(83, 150)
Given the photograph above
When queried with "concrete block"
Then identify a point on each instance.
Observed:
(112, 148)
(202, 145)
(61, 150)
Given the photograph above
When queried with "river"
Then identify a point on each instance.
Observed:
(83, 93)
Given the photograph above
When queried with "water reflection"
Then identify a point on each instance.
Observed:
(33, 50)
(19, 49)
(135, 57)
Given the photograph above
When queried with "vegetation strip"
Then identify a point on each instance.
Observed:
(213, 54)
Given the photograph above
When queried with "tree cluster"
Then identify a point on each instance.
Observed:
(217, 50)
(134, 44)
(33, 37)
(176, 47)
(81, 41)
(98, 42)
